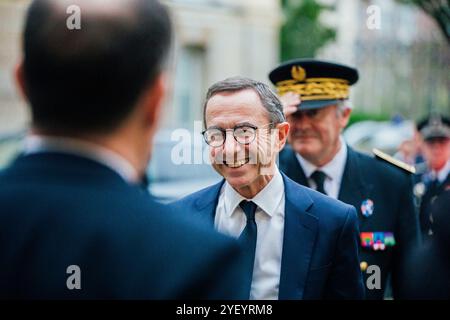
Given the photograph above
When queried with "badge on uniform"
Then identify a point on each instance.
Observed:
(377, 240)
(419, 189)
(367, 208)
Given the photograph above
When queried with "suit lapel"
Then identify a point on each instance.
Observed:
(444, 185)
(292, 168)
(300, 229)
(206, 204)
(353, 188)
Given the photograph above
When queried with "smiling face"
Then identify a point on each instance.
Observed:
(246, 167)
(315, 134)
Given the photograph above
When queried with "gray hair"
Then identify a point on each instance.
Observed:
(342, 105)
(268, 98)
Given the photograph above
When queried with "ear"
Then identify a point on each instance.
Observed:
(283, 132)
(153, 100)
(19, 76)
(345, 117)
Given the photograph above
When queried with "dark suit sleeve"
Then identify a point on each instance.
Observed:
(407, 236)
(221, 275)
(345, 281)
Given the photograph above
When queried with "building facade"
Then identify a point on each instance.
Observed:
(214, 39)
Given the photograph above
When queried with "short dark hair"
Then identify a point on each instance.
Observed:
(268, 98)
(89, 80)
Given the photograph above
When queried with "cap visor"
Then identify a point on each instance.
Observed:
(315, 104)
(437, 135)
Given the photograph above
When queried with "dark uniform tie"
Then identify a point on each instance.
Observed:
(433, 188)
(319, 179)
(248, 241)
(426, 220)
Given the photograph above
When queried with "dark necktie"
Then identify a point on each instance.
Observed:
(145, 182)
(319, 179)
(248, 241)
(433, 187)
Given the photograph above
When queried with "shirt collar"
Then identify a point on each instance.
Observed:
(333, 169)
(442, 174)
(308, 167)
(114, 161)
(268, 199)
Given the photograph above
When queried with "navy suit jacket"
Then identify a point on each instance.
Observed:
(320, 246)
(390, 189)
(59, 210)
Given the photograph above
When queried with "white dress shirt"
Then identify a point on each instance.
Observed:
(269, 216)
(114, 161)
(334, 170)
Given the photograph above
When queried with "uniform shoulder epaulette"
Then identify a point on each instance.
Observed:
(384, 156)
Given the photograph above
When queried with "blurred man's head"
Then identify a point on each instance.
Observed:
(101, 78)
(435, 133)
(315, 133)
(245, 128)
(324, 89)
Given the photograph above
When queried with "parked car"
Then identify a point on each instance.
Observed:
(386, 136)
(170, 179)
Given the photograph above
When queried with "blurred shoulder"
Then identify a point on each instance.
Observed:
(203, 194)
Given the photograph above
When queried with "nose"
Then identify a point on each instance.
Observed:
(300, 121)
(231, 147)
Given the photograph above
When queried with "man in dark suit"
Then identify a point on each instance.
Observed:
(74, 221)
(428, 278)
(299, 244)
(319, 158)
(435, 179)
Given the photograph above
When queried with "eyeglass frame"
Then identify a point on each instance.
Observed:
(224, 132)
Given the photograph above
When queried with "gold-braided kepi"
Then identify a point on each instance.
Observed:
(320, 83)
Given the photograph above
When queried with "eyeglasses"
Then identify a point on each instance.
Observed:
(243, 134)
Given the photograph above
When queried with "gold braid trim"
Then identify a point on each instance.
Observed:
(316, 88)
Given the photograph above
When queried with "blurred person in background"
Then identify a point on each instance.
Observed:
(74, 220)
(407, 152)
(315, 97)
(410, 151)
(428, 268)
(435, 179)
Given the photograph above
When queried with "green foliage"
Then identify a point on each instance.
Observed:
(438, 10)
(364, 116)
(302, 34)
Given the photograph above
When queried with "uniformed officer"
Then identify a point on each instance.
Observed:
(430, 279)
(315, 94)
(435, 133)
